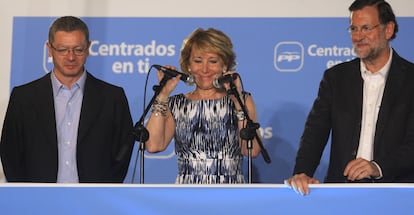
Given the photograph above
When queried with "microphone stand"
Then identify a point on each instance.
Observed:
(248, 132)
(141, 133)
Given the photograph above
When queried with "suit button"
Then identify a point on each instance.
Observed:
(354, 153)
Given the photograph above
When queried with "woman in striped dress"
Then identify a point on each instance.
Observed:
(205, 122)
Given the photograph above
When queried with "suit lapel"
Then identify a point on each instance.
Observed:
(46, 109)
(357, 91)
(395, 82)
(356, 98)
(91, 106)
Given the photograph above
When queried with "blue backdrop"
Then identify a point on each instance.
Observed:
(125, 199)
(280, 60)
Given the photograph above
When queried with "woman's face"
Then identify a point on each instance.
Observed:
(205, 67)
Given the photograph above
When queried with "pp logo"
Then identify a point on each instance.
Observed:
(288, 56)
(47, 61)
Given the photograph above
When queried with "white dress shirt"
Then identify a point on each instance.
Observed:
(374, 84)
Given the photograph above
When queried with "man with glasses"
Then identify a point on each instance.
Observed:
(366, 105)
(68, 126)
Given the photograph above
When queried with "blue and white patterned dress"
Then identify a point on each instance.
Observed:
(206, 141)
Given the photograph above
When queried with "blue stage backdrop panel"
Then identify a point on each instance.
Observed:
(204, 200)
(280, 60)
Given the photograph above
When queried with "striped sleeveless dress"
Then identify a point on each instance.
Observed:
(206, 141)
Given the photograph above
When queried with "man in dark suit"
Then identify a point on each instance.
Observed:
(367, 105)
(67, 126)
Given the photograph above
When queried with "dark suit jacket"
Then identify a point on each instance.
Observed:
(337, 110)
(28, 145)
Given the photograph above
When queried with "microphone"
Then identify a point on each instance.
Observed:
(219, 82)
(188, 79)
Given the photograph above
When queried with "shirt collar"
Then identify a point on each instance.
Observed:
(57, 85)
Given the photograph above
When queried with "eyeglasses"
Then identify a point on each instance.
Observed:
(63, 51)
(365, 29)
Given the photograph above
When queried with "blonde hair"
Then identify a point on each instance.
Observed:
(210, 40)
